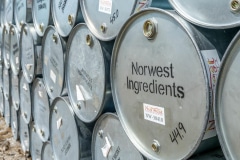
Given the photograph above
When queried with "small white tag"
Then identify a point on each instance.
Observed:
(17, 60)
(14, 125)
(40, 94)
(105, 6)
(154, 113)
(7, 56)
(59, 123)
(79, 94)
(106, 148)
(53, 76)
(25, 87)
(28, 66)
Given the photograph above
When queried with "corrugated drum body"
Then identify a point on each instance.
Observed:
(41, 109)
(85, 74)
(227, 101)
(41, 15)
(211, 14)
(7, 12)
(53, 62)
(160, 85)
(6, 47)
(14, 123)
(20, 12)
(112, 131)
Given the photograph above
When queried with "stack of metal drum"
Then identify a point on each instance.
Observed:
(131, 79)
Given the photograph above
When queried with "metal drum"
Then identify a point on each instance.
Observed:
(7, 13)
(30, 50)
(109, 140)
(106, 17)
(15, 123)
(163, 74)
(25, 99)
(24, 135)
(14, 37)
(87, 74)
(22, 12)
(41, 13)
(1, 42)
(15, 91)
(6, 47)
(65, 15)
(41, 109)
(47, 151)
(53, 52)
(7, 111)
(6, 83)
(227, 101)
(35, 142)
(70, 138)
(1, 76)
(211, 14)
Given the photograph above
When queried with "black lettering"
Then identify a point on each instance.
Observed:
(140, 70)
(161, 88)
(135, 68)
(136, 87)
(151, 87)
(145, 87)
(166, 70)
(180, 90)
(171, 70)
(168, 88)
(174, 90)
(159, 71)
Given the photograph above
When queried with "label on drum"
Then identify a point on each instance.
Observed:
(52, 76)
(79, 93)
(106, 148)
(154, 113)
(142, 4)
(17, 60)
(7, 56)
(212, 63)
(105, 6)
(40, 93)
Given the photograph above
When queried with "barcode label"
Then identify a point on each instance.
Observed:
(154, 113)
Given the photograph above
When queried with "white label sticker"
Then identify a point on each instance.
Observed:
(59, 123)
(105, 6)
(154, 113)
(17, 60)
(212, 63)
(142, 4)
(79, 94)
(40, 93)
(106, 148)
(52, 76)
(14, 125)
(7, 56)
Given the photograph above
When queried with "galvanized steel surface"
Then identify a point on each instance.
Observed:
(15, 123)
(75, 144)
(227, 101)
(6, 83)
(22, 12)
(7, 13)
(109, 140)
(41, 13)
(35, 142)
(6, 47)
(53, 51)
(211, 14)
(7, 111)
(1, 102)
(14, 38)
(65, 14)
(15, 91)
(25, 99)
(28, 42)
(87, 74)
(24, 134)
(156, 95)
(40, 109)
(47, 151)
